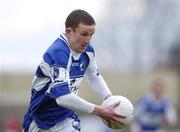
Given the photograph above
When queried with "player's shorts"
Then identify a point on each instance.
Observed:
(68, 125)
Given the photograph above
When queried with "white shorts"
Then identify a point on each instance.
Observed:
(68, 125)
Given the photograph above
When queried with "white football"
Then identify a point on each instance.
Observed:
(125, 108)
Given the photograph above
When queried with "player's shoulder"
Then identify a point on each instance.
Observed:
(90, 48)
(58, 46)
(58, 51)
(90, 51)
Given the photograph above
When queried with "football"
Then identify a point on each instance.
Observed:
(125, 108)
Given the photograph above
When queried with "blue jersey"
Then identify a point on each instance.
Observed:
(150, 113)
(60, 73)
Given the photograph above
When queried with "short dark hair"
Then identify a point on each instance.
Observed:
(79, 16)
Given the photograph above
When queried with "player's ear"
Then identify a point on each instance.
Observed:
(68, 30)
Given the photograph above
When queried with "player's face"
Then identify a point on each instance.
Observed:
(81, 37)
(159, 90)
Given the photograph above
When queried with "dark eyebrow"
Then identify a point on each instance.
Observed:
(87, 33)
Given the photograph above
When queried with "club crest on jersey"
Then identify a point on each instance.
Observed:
(82, 66)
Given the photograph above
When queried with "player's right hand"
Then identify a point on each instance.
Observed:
(108, 113)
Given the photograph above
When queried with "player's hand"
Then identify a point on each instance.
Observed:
(108, 113)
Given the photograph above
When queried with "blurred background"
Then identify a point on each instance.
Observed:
(136, 42)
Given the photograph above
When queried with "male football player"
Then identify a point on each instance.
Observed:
(55, 85)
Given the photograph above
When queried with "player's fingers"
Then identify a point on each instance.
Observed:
(116, 122)
(109, 124)
(119, 122)
(117, 115)
(117, 119)
(116, 104)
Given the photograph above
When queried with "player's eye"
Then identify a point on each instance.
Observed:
(87, 34)
(84, 34)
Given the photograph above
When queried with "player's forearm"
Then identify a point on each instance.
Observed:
(99, 86)
(73, 102)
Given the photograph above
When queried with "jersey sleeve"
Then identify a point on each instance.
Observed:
(95, 80)
(55, 65)
(92, 69)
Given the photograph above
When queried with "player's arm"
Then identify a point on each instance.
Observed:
(99, 86)
(96, 81)
(73, 102)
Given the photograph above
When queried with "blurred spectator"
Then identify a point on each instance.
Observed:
(11, 124)
(154, 111)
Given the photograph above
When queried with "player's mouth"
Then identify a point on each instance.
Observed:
(83, 47)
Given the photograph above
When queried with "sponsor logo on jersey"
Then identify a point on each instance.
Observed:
(75, 64)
